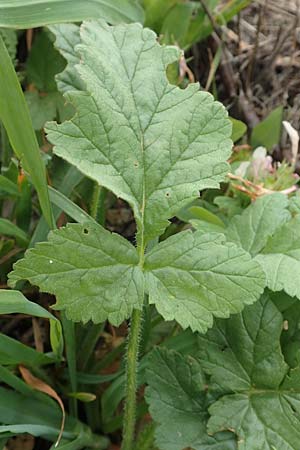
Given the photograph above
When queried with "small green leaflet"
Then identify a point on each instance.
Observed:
(192, 277)
(178, 402)
(267, 133)
(260, 402)
(93, 273)
(151, 143)
(239, 128)
(266, 230)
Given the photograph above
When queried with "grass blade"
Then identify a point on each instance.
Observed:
(17, 122)
(36, 13)
(9, 378)
(70, 180)
(37, 416)
(70, 342)
(10, 229)
(70, 208)
(13, 352)
(8, 187)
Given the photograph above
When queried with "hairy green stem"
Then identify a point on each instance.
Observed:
(131, 380)
(132, 364)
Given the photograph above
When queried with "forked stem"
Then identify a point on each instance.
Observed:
(131, 380)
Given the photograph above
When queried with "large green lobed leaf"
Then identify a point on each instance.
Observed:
(150, 142)
(238, 380)
(154, 145)
(260, 400)
(178, 402)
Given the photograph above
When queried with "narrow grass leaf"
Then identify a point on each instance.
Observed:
(70, 208)
(10, 229)
(13, 352)
(16, 120)
(36, 13)
(41, 417)
(8, 187)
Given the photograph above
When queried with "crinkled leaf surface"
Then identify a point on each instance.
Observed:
(243, 356)
(67, 37)
(192, 277)
(280, 259)
(151, 143)
(177, 400)
(92, 272)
